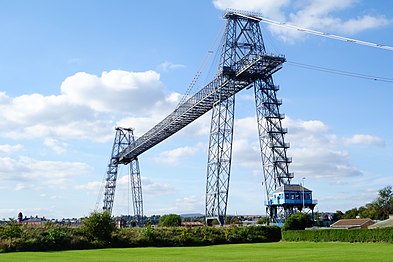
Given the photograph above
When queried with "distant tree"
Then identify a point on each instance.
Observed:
(171, 220)
(11, 231)
(99, 227)
(232, 220)
(352, 213)
(384, 202)
(338, 215)
(297, 221)
(263, 221)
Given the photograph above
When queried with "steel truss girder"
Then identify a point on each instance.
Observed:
(124, 137)
(203, 101)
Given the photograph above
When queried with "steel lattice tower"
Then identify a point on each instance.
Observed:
(124, 137)
(244, 63)
(244, 43)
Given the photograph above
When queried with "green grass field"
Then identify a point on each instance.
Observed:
(282, 251)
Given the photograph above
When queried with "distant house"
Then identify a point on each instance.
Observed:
(385, 223)
(191, 224)
(34, 221)
(353, 223)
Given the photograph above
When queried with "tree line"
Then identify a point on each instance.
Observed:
(379, 209)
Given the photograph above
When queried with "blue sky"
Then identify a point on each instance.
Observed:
(70, 71)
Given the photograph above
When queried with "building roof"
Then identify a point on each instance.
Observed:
(384, 223)
(294, 187)
(34, 219)
(191, 224)
(352, 223)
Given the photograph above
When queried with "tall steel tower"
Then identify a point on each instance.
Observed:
(244, 63)
(243, 44)
(124, 137)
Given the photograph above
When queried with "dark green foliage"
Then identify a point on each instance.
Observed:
(379, 209)
(297, 221)
(98, 227)
(182, 236)
(170, 220)
(263, 221)
(384, 202)
(48, 237)
(338, 215)
(10, 231)
(54, 237)
(340, 235)
(232, 220)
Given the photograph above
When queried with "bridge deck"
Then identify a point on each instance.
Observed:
(242, 75)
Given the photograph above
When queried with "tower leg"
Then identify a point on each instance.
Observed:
(123, 138)
(110, 185)
(136, 190)
(219, 160)
(271, 138)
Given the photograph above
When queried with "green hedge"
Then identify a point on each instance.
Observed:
(62, 237)
(181, 236)
(341, 235)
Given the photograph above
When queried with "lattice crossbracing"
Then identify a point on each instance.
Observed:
(244, 63)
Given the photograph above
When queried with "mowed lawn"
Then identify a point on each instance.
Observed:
(282, 251)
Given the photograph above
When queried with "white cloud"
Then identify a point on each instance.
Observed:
(365, 140)
(316, 152)
(156, 188)
(310, 126)
(93, 186)
(57, 146)
(322, 15)
(10, 149)
(173, 157)
(116, 91)
(86, 107)
(184, 205)
(311, 14)
(169, 66)
(28, 172)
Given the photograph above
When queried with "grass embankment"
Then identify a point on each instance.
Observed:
(282, 251)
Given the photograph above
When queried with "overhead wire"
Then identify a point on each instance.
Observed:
(336, 37)
(341, 72)
(201, 69)
(327, 35)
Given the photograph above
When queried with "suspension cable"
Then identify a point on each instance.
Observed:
(327, 35)
(341, 72)
(200, 70)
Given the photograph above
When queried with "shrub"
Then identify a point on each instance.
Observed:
(11, 231)
(98, 228)
(170, 220)
(342, 235)
(297, 221)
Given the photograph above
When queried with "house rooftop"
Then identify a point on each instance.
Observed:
(385, 223)
(353, 223)
(294, 187)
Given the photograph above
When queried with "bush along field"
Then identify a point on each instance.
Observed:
(340, 235)
(99, 231)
